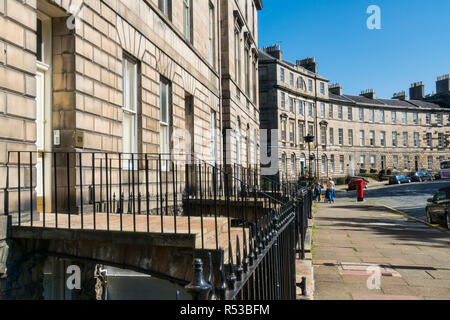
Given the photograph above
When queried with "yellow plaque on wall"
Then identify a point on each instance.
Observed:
(79, 139)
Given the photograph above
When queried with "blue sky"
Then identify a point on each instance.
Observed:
(412, 45)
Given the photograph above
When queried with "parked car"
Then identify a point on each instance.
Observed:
(399, 179)
(438, 208)
(352, 184)
(420, 176)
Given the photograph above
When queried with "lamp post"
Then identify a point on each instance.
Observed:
(309, 140)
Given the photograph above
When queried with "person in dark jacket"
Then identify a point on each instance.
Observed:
(317, 191)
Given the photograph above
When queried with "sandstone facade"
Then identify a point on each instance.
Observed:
(67, 59)
(353, 134)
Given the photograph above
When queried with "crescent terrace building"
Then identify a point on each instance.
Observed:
(353, 134)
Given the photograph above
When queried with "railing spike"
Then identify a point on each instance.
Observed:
(231, 275)
(114, 202)
(255, 241)
(212, 295)
(261, 238)
(246, 258)
(222, 290)
(239, 269)
(139, 202)
(251, 255)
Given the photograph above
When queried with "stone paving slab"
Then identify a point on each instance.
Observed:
(414, 259)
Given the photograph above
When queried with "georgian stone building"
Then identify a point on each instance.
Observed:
(289, 97)
(239, 60)
(126, 76)
(353, 134)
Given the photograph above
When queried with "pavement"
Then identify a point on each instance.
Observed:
(363, 251)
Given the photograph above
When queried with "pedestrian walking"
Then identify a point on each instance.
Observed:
(317, 192)
(331, 189)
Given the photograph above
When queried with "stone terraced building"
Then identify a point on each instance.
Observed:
(353, 134)
(125, 76)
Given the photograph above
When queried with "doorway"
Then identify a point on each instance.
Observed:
(43, 111)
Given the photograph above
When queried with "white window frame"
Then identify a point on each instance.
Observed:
(416, 139)
(342, 164)
(165, 125)
(371, 115)
(340, 113)
(213, 142)
(300, 107)
(373, 162)
(212, 45)
(341, 136)
(430, 163)
(187, 20)
(164, 6)
(237, 57)
(127, 108)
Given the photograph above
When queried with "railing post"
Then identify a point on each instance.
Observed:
(222, 290)
(199, 289)
(277, 269)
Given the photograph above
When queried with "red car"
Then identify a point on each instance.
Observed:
(352, 184)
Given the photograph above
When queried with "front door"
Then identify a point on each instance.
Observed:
(352, 166)
(43, 112)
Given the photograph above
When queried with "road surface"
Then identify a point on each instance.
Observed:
(410, 198)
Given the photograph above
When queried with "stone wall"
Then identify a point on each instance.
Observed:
(17, 83)
(240, 105)
(86, 82)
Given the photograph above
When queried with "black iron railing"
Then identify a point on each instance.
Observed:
(226, 206)
(136, 193)
(265, 267)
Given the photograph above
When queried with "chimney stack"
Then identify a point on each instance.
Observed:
(309, 64)
(335, 89)
(400, 96)
(274, 51)
(443, 84)
(417, 91)
(369, 93)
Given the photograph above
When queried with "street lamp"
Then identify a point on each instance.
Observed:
(309, 140)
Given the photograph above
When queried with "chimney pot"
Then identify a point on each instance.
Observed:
(274, 51)
(417, 91)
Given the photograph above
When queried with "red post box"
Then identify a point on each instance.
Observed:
(360, 189)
